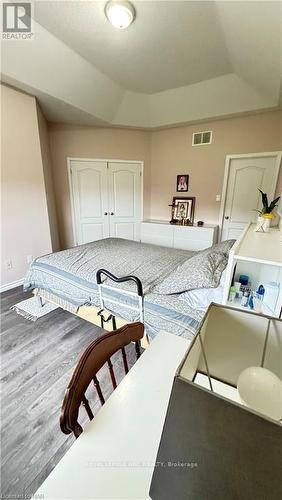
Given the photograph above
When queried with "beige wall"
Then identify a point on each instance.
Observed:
(48, 178)
(172, 153)
(24, 218)
(87, 142)
(166, 153)
(26, 227)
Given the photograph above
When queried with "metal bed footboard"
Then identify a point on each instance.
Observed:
(123, 279)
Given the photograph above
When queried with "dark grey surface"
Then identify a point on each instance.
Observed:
(37, 362)
(212, 449)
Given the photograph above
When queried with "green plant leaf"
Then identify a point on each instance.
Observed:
(264, 199)
(273, 204)
(258, 211)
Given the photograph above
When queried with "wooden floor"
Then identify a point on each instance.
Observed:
(37, 362)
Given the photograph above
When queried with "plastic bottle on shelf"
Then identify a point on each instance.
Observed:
(251, 301)
(245, 299)
(260, 292)
(232, 294)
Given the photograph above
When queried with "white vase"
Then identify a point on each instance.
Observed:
(263, 225)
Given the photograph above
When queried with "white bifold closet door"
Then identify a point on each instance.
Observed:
(106, 200)
(90, 200)
(125, 200)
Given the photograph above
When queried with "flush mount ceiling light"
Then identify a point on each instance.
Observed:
(120, 13)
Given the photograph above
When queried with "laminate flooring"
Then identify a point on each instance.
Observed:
(37, 361)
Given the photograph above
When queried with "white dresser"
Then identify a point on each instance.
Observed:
(184, 237)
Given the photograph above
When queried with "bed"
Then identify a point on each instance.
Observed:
(68, 278)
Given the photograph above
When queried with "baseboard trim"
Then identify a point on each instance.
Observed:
(11, 285)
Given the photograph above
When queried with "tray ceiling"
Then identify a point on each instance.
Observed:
(179, 61)
(170, 45)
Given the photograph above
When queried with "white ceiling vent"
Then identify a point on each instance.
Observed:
(201, 138)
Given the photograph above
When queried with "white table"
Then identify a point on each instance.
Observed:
(114, 457)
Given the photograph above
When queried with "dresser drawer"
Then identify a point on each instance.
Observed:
(183, 237)
(157, 234)
(194, 238)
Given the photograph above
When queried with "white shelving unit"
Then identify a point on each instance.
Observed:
(259, 256)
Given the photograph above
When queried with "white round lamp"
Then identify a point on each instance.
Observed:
(261, 390)
(120, 13)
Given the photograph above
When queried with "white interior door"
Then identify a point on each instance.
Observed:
(90, 200)
(125, 200)
(246, 175)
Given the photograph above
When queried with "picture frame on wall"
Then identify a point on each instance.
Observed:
(182, 183)
(183, 210)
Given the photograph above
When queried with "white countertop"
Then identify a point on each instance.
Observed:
(260, 247)
(154, 221)
(114, 457)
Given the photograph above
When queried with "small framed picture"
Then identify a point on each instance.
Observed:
(182, 183)
(183, 210)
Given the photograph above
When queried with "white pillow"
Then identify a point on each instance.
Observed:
(201, 298)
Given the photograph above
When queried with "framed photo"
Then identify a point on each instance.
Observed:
(183, 210)
(182, 183)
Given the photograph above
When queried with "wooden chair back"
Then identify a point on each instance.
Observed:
(94, 357)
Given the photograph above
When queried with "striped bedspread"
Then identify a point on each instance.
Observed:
(70, 275)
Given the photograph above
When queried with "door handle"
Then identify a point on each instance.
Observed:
(112, 213)
(105, 213)
(226, 217)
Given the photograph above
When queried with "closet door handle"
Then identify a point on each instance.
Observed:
(105, 213)
(112, 213)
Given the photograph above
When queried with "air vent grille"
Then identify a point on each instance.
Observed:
(202, 138)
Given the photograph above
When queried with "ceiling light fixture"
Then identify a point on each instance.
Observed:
(120, 13)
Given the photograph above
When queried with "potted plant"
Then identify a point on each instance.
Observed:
(266, 213)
